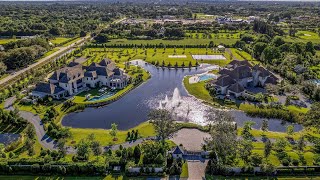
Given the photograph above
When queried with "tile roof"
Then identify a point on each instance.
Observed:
(48, 88)
(270, 80)
(237, 88)
(90, 74)
(67, 74)
(236, 63)
(240, 72)
(225, 80)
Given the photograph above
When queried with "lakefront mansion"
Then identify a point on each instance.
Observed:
(239, 75)
(75, 78)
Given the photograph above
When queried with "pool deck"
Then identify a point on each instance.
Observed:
(196, 78)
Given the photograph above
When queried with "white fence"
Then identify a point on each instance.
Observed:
(137, 169)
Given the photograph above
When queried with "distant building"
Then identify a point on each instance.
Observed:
(239, 75)
(75, 78)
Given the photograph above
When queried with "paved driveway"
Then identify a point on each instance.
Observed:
(196, 170)
(191, 139)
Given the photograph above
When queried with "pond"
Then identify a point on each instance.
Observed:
(7, 138)
(133, 108)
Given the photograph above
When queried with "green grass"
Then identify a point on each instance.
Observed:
(145, 130)
(5, 41)
(199, 91)
(297, 109)
(3, 76)
(60, 40)
(308, 35)
(302, 177)
(221, 35)
(184, 171)
(203, 16)
(81, 98)
(174, 42)
(16, 177)
(73, 41)
(161, 55)
(50, 52)
(304, 36)
(35, 109)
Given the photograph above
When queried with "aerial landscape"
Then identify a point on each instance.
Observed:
(187, 89)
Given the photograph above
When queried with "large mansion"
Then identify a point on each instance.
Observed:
(75, 78)
(238, 75)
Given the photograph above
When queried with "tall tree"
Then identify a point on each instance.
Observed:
(267, 148)
(264, 125)
(114, 131)
(163, 123)
(223, 136)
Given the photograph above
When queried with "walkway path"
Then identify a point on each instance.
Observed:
(35, 120)
(48, 142)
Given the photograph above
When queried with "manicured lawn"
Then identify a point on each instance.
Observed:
(81, 98)
(35, 109)
(73, 41)
(50, 52)
(161, 55)
(175, 42)
(221, 35)
(297, 109)
(5, 41)
(2, 105)
(304, 36)
(109, 177)
(59, 40)
(184, 172)
(3, 76)
(308, 35)
(199, 91)
(210, 177)
(145, 130)
(203, 16)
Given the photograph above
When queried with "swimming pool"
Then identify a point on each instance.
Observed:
(101, 97)
(205, 77)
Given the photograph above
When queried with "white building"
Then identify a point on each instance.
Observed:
(74, 78)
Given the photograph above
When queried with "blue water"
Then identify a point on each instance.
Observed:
(133, 108)
(104, 96)
(206, 77)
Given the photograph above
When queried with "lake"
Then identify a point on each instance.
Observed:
(133, 108)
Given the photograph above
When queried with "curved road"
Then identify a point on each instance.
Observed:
(35, 120)
(49, 143)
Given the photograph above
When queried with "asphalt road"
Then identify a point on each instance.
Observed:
(47, 58)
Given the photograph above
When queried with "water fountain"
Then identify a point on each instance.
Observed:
(184, 108)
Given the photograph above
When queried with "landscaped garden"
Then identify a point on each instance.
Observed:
(133, 137)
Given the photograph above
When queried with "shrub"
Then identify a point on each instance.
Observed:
(295, 162)
(285, 162)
